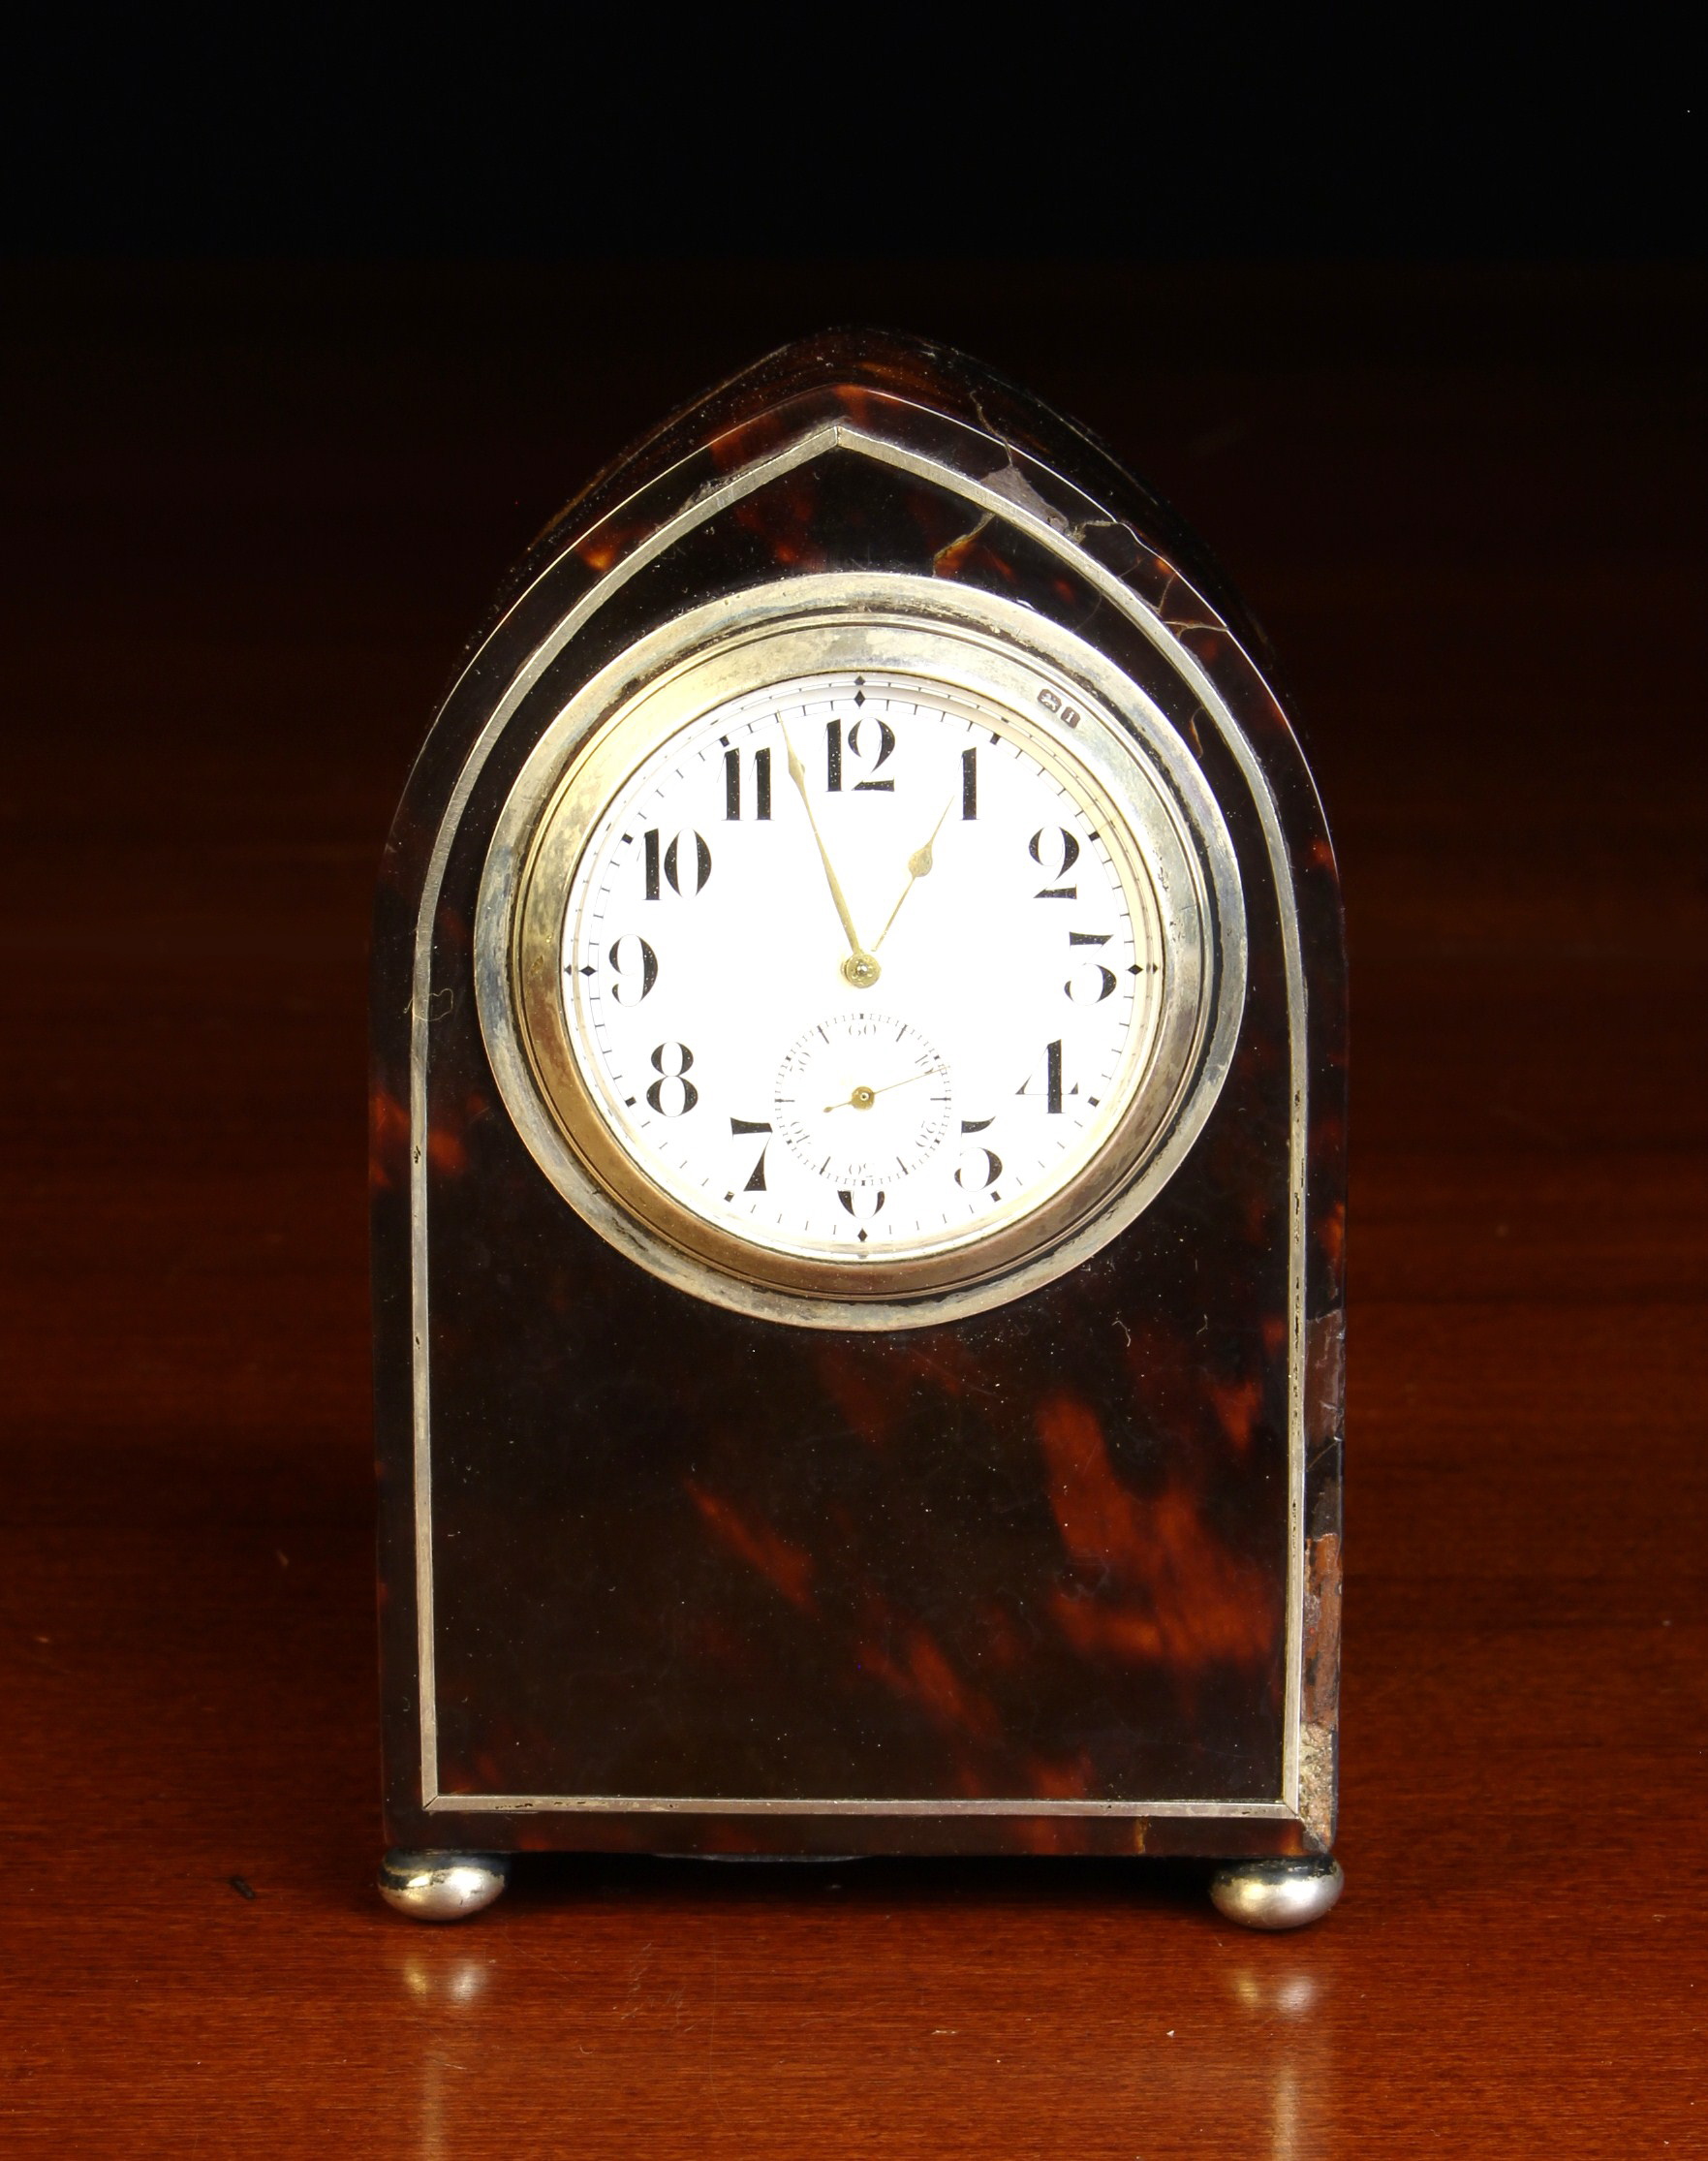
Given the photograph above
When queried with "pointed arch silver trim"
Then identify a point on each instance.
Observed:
(1023, 508)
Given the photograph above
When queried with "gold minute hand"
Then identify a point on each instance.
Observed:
(859, 968)
(919, 867)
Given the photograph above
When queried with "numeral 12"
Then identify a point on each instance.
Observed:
(834, 756)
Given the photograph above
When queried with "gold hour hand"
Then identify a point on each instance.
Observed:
(919, 867)
(859, 968)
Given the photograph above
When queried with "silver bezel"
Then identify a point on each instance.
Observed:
(980, 645)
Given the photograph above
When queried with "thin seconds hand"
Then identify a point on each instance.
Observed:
(862, 1098)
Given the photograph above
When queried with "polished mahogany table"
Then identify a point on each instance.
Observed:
(249, 515)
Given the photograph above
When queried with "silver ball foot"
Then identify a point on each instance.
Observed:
(441, 1886)
(1277, 1894)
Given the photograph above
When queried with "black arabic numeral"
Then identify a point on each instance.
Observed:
(985, 1177)
(1092, 982)
(1052, 1080)
(1039, 850)
(761, 785)
(625, 992)
(756, 1182)
(674, 860)
(885, 745)
(856, 748)
(672, 1078)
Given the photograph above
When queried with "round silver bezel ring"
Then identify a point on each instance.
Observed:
(967, 638)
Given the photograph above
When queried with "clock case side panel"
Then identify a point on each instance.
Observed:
(391, 1269)
(911, 394)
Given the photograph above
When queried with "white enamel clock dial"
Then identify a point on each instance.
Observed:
(941, 1062)
(858, 967)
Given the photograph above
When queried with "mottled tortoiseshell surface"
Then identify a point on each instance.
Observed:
(1036, 1554)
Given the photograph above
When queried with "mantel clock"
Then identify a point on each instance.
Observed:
(859, 1173)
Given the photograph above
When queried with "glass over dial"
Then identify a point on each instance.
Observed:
(861, 966)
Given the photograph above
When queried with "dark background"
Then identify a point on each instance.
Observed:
(310, 325)
(1069, 135)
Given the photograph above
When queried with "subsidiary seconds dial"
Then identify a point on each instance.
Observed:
(862, 967)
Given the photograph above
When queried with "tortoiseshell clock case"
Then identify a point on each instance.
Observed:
(1057, 1577)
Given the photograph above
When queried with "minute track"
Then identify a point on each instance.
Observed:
(956, 943)
(760, 931)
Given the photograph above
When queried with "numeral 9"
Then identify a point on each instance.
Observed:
(625, 991)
